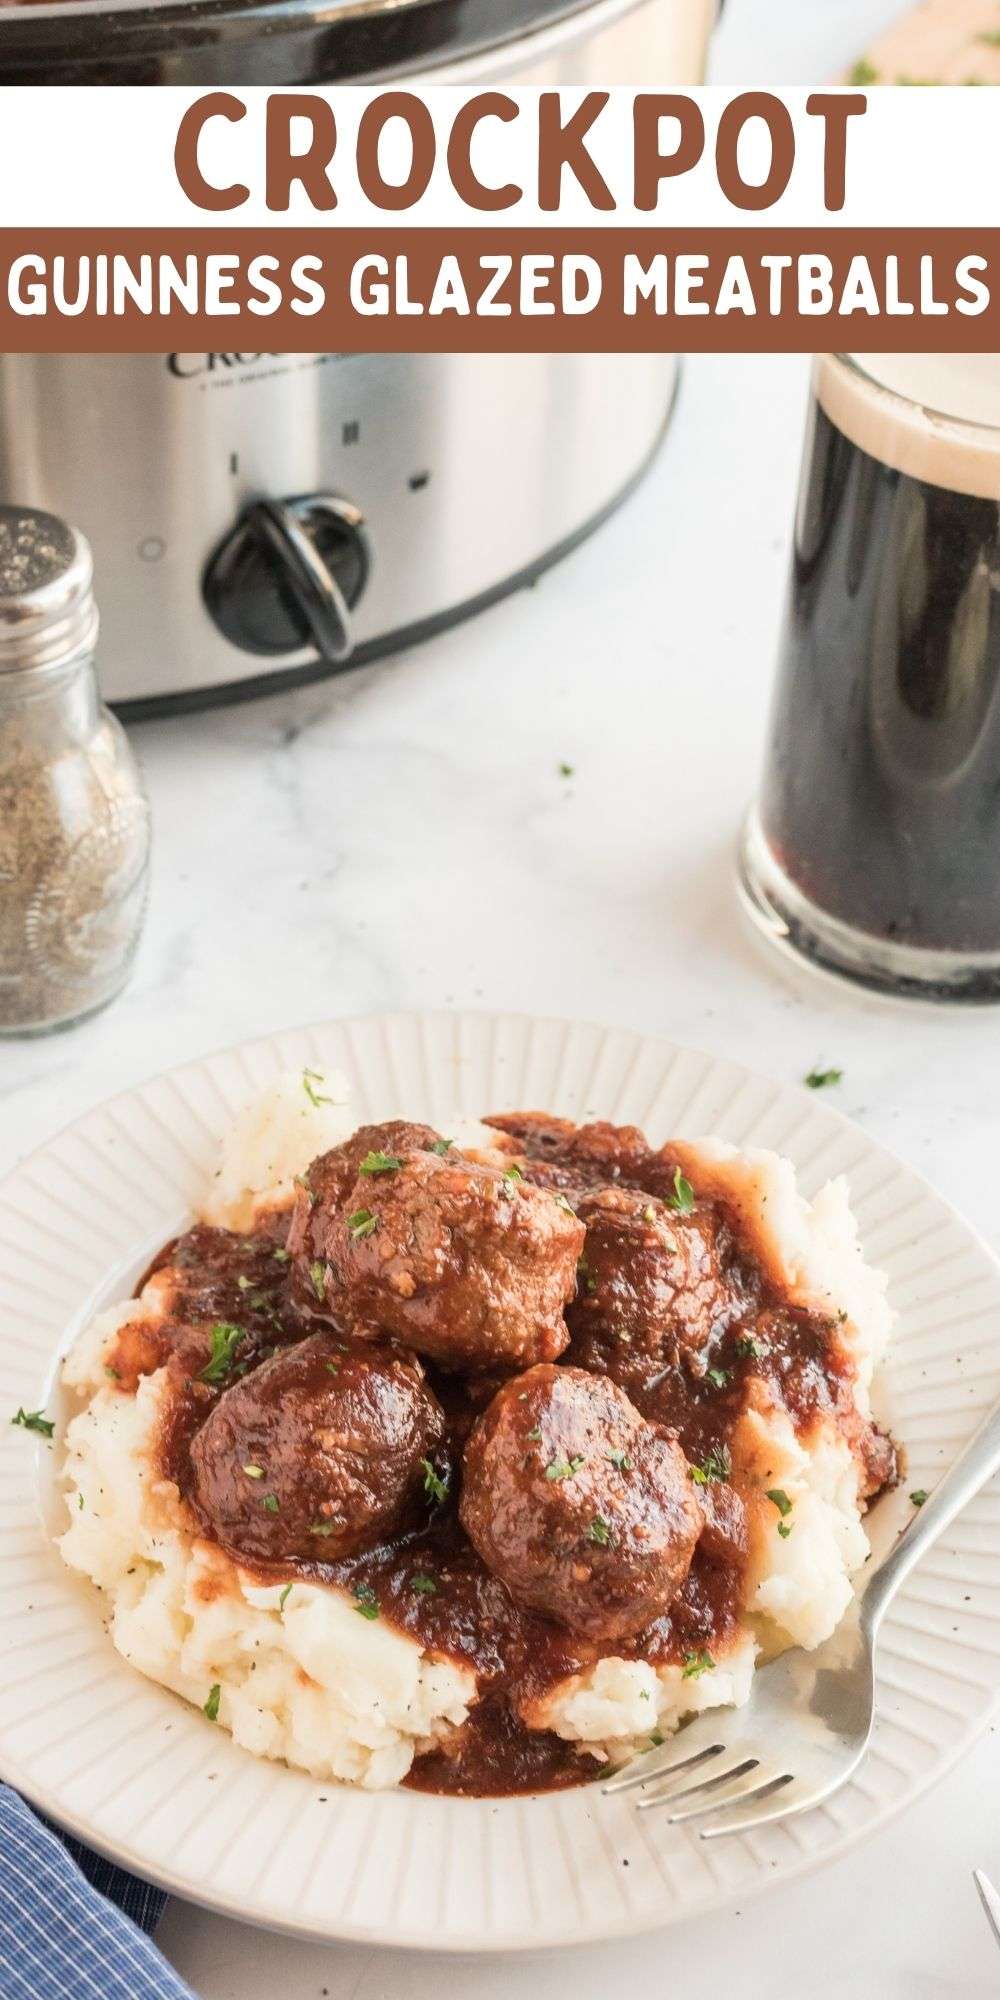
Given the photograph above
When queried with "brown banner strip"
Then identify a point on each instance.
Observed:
(530, 290)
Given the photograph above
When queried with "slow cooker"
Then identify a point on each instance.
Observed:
(259, 519)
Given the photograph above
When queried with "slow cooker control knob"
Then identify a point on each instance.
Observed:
(289, 575)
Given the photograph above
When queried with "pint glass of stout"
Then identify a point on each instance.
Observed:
(874, 849)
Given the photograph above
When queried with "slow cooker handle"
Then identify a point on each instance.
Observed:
(314, 586)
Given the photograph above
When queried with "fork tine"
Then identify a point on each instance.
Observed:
(704, 1788)
(658, 1764)
(759, 1783)
(765, 1805)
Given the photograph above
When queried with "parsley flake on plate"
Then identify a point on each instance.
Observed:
(917, 1499)
(283, 1599)
(34, 1420)
(310, 1078)
(563, 1468)
(599, 1531)
(211, 1707)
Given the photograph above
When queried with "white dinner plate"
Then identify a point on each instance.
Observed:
(148, 1780)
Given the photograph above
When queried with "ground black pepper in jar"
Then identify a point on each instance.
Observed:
(74, 821)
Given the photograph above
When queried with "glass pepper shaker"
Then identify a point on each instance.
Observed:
(74, 819)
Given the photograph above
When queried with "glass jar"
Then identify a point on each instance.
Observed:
(874, 849)
(74, 820)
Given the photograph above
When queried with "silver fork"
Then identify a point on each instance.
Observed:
(809, 1719)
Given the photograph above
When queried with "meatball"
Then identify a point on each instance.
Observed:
(459, 1260)
(317, 1454)
(584, 1510)
(656, 1285)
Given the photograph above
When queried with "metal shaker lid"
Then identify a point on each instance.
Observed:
(47, 610)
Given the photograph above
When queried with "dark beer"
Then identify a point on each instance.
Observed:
(876, 845)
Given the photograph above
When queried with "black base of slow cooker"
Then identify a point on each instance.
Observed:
(286, 678)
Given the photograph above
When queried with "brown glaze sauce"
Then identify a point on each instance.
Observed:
(429, 1582)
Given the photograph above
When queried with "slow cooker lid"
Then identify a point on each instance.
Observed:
(156, 40)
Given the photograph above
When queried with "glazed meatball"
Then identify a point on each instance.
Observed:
(655, 1286)
(316, 1454)
(584, 1510)
(459, 1260)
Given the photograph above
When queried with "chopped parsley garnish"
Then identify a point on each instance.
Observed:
(310, 1078)
(282, 1256)
(212, 1704)
(332, 1367)
(362, 1223)
(34, 1420)
(365, 1600)
(821, 1079)
(112, 1374)
(656, 1739)
(785, 1529)
(510, 1179)
(533, 1436)
(780, 1500)
(435, 1487)
(302, 1182)
(317, 1274)
(283, 1599)
(79, 1501)
(566, 770)
(379, 1163)
(917, 1499)
(225, 1340)
(254, 1471)
(717, 1466)
(323, 1528)
(599, 1531)
(585, 1275)
(748, 1349)
(563, 1202)
(696, 1664)
(649, 1213)
(682, 1198)
(442, 1145)
(271, 1504)
(563, 1468)
(621, 1459)
(424, 1586)
(720, 1378)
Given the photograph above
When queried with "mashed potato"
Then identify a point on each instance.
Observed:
(292, 1671)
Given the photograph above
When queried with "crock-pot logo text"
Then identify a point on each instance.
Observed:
(567, 150)
(186, 366)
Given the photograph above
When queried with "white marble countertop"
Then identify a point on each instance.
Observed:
(403, 838)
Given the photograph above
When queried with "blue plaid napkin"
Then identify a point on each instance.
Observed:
(74, 1927)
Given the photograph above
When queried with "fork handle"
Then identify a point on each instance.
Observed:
(976, 1464)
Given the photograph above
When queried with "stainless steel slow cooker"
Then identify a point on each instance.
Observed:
(258, 518)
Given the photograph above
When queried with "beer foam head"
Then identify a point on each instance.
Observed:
(935, 417)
